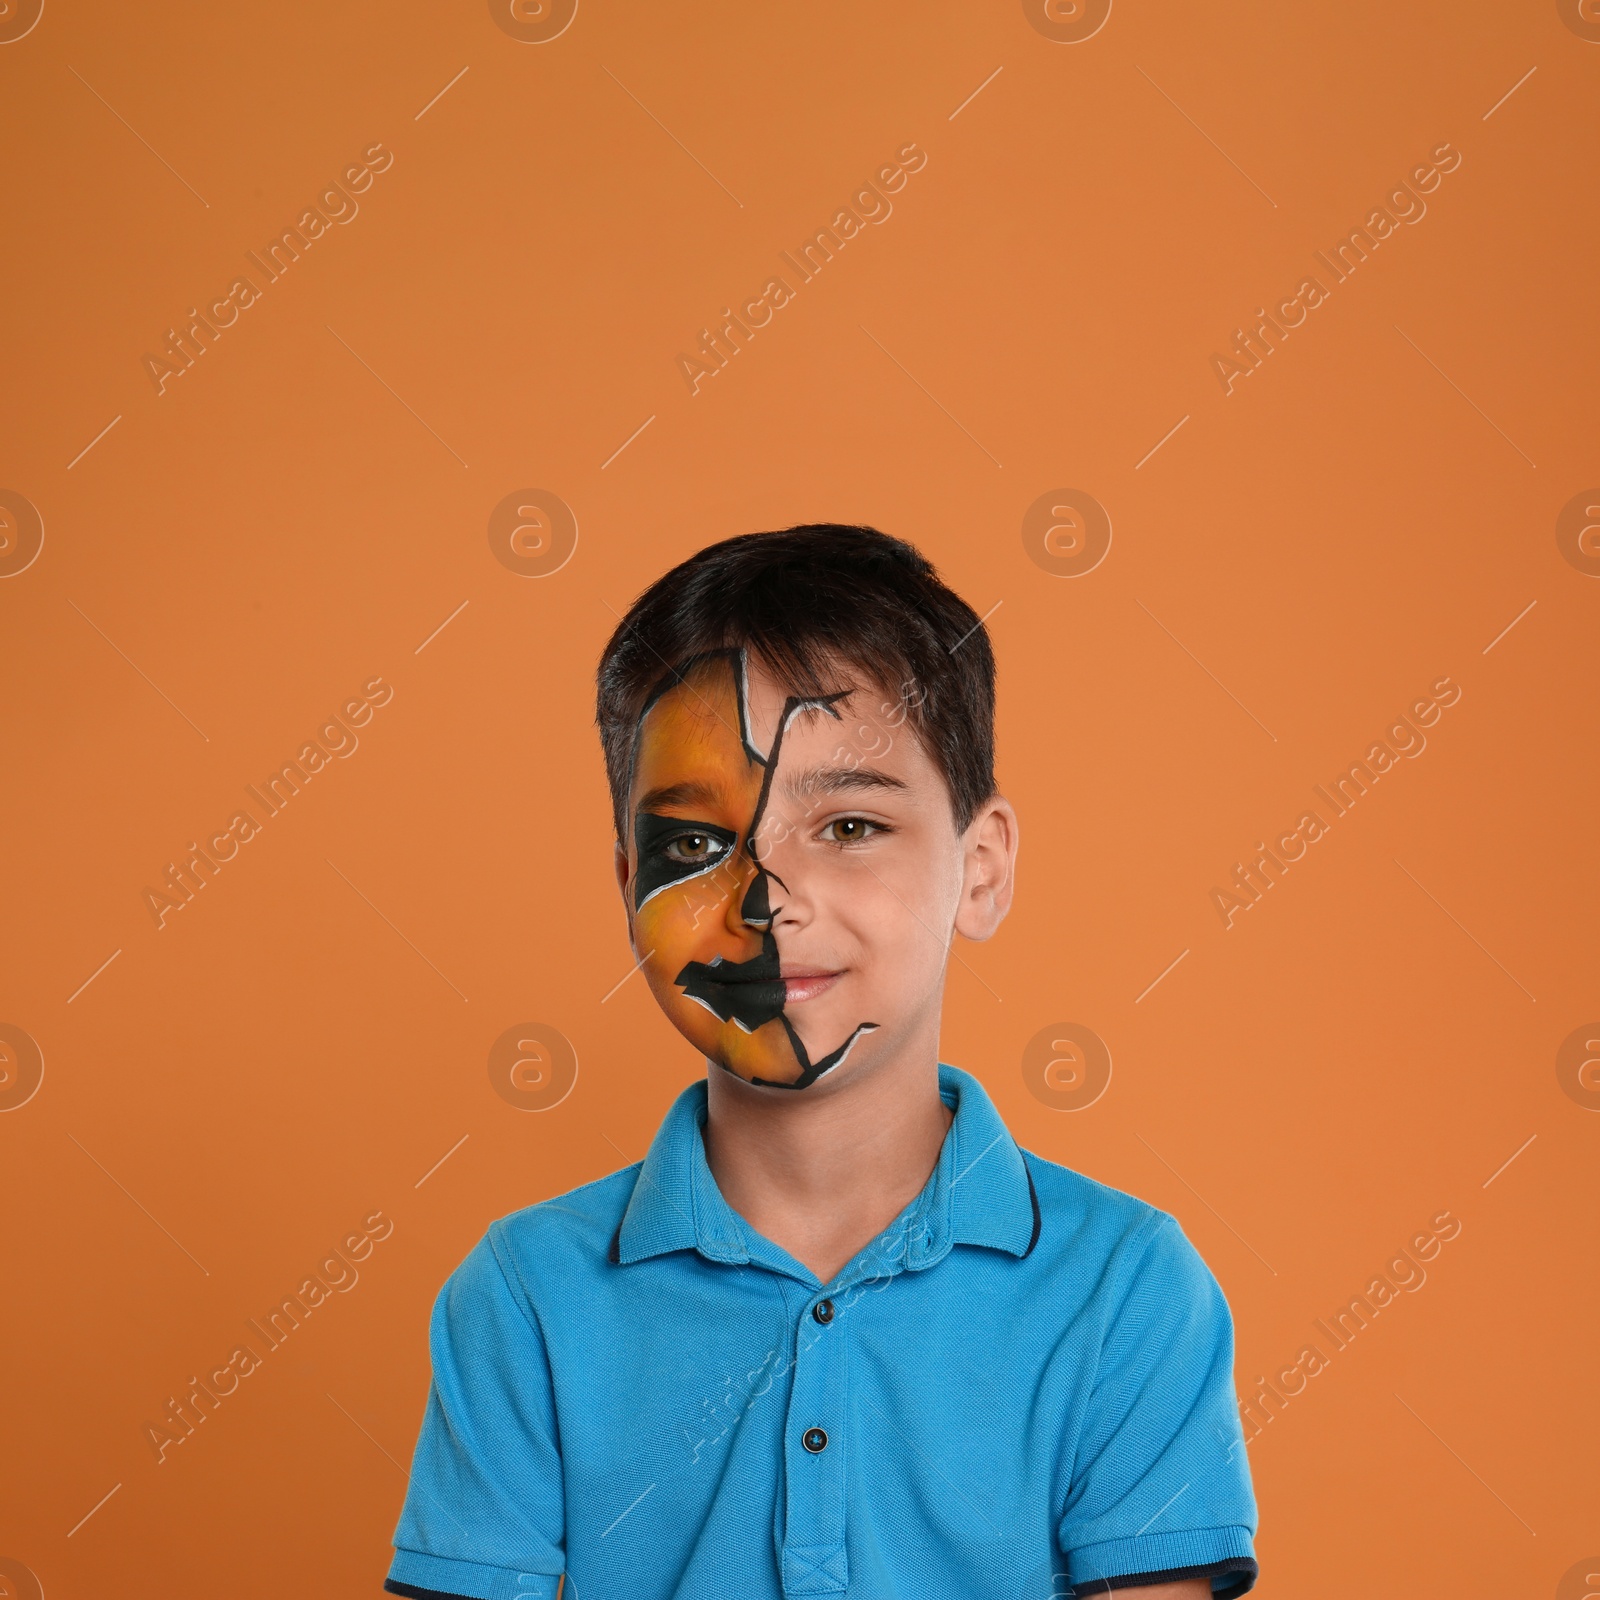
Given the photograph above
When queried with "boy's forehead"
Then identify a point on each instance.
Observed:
(692, 734)
(711, 728)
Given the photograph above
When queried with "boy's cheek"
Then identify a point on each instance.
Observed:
(694, 1022)
(664, 945)
(668, 928)
(670, 931)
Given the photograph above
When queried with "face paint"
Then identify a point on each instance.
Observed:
(703, 905)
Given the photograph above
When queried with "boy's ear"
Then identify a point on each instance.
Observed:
(988, 872)
(619, 862)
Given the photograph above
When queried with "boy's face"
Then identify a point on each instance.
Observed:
(793, 873)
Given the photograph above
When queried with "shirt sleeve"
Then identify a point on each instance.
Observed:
(1161, 1483)
(484, 1514)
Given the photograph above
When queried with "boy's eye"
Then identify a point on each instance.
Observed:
(693, 848)
(850, 830)
(674, 848)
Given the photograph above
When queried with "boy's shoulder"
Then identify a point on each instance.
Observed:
(578, 1224)
(1084, 1222)
(1077, 1196)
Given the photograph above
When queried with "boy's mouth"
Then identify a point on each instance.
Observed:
(806, 984)
(750, 993)
(753, 992)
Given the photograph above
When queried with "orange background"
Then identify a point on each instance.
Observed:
(301, 510)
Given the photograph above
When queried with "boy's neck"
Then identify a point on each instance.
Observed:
(821, 1174)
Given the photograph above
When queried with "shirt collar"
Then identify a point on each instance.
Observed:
(980, 1191)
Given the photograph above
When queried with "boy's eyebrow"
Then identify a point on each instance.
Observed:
(689, 793)
(840, 780)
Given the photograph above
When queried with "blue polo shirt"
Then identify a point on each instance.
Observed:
(1022, 1388)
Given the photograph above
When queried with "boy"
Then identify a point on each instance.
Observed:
(836, 1334)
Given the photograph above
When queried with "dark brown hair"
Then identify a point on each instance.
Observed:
(805, 599)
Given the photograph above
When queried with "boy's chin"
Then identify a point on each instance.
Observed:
(766, 1057)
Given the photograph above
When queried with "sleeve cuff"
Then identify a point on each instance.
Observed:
(416, 1574)
(1166, 1558)
(1228, 1579)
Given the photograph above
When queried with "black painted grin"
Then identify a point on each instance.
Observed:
(749, 993)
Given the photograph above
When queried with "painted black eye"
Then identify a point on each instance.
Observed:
(673, 848)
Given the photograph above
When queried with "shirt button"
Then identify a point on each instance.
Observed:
(823, 1311)
(815, 1440)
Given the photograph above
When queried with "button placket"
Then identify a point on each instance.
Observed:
(814, 1448)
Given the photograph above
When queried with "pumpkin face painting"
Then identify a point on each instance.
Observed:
(703, 903)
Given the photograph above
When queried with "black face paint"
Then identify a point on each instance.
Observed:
(652, 834)
(755, 910)
(815, 1069)
(746, 992)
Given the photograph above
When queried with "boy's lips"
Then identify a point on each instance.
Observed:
(753, 992)
(807, 984)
